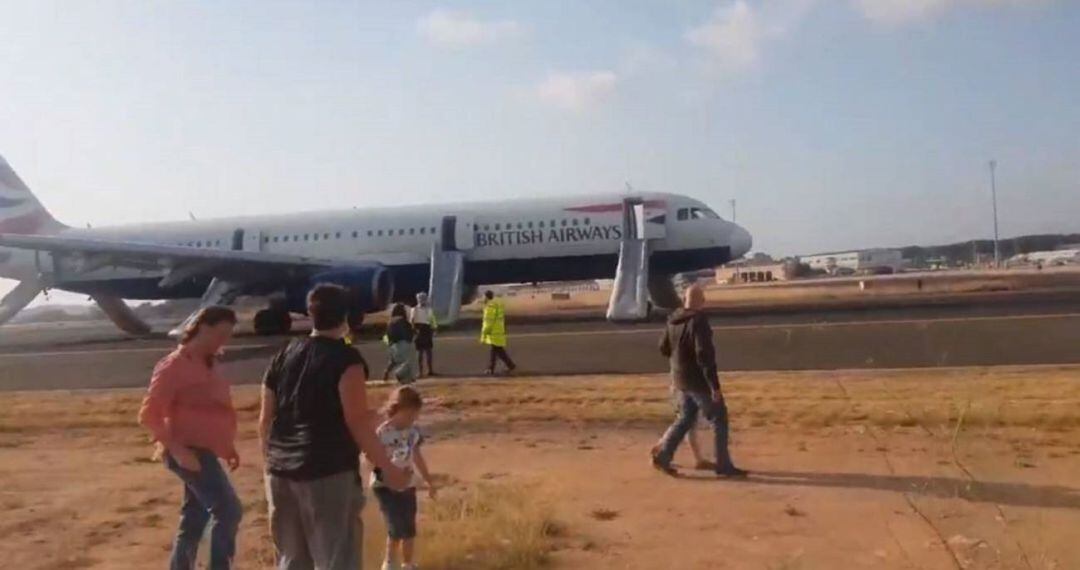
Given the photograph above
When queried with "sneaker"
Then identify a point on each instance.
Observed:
(664, 468)
(733, 473)
(387, 565)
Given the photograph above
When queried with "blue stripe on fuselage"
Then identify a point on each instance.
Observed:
(411, 279)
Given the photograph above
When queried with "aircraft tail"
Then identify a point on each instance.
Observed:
(20, 210)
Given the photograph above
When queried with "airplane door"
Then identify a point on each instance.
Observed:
(246, 241)
(465, 233)
(456, 234)
(448, 235)
(655, 216)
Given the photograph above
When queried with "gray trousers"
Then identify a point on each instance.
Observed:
(316, 524)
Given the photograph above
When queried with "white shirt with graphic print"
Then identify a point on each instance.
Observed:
(400, 446)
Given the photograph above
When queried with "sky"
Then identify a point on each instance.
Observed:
(834, 124)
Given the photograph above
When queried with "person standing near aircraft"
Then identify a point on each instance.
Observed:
(401, 354)
(493, 332)
(188, 409)
(687, 343)
(313, 424)
(423, 320)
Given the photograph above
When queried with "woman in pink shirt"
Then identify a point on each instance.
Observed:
(189, 411)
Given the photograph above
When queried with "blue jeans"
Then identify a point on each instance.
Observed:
(690, 405)
(208, 495)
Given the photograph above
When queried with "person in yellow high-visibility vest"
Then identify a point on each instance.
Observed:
(493, 332)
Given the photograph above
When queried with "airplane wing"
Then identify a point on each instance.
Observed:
(72, 256)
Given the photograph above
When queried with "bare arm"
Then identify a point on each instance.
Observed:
(358, 417)
(421, 466)
(267, 409)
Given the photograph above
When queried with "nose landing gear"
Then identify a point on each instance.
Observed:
(273, 320)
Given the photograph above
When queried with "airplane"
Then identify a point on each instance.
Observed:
(382, 255)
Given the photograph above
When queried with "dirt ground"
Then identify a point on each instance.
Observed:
(954, 468)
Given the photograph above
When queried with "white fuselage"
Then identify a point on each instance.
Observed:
(488, 234)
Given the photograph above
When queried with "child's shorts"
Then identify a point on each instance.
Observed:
(399, 511)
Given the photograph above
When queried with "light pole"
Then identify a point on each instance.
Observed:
(993, 194)
(732, 202)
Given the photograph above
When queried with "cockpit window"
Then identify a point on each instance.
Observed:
(684, 214)
(703, 214)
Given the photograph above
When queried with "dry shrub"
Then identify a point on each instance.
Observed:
(487, 527)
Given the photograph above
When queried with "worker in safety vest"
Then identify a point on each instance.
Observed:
(493, 332)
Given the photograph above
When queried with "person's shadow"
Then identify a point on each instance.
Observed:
(1012, 494)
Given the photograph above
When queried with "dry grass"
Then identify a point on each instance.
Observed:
(1046, 399)
(486, 520)
(488, 527)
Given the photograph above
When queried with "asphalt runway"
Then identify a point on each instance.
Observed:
(92, 356)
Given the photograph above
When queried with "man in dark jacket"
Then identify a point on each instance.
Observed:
(687, 343)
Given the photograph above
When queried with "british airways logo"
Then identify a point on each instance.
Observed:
(553, 235)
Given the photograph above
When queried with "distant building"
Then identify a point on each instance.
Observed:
(759, 269)
(866, 260)
(1054, 257)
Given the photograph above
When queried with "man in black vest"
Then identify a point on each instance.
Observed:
(314, 423)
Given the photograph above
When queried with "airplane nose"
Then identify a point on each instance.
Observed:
(741, 241)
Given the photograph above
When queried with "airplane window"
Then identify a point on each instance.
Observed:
(564, 223)
(541, 224)
(496, 227)
(587, 221)
(552, 223)
(530, 225)
(275, 239)
(218, 243)
(423, 231)
(326, 236)
(486, 227)
(574, 221)
(198, 244)
(519, 225)
(355, 234)
(433, 229)
(315, 237)
(369, 233)
(338, 235)
(306, 236)
(412, 231)
(296, 238)
(401, 232)
(266, 239)
(684, 214)
(380, 233)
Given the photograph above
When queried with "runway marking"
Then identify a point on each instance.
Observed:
(592, 332)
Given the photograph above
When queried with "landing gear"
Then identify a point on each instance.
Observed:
(273, 321)
(356, 320)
